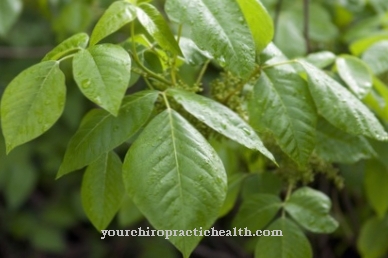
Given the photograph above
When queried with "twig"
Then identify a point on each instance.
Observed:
(277, 14)
(306, 14)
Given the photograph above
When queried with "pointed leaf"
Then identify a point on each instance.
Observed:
(102, 190)
(259, 22)
(102, 73)
(101, 132)
(234, 185)
(341, 108)
(310, 208)
(292, 244)
(321, 59)
(219, 29)
(116, 16)
(74, 43)
(9, 12)
(355, 74)
(175, 178)
(334, 145)
(157, 27)
(257, 211)
(280, 93)
(373, 238)
(192, 53)
(376, 57)
(376, 186)
(32, 103)
(128, 214)
(221, 119)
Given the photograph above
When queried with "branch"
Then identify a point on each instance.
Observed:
(23, 52)
(277, 14)
(306, 14)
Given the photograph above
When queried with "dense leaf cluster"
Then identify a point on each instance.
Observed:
(177, 176)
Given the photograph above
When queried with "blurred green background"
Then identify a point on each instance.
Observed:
(42, 217)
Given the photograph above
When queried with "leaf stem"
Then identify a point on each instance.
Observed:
(306, 21)
(140, 64)
(173, 64)
(280, 63)
(148, 83)
(288, 194)
(166, 100)
(202, 72)
(66, 57)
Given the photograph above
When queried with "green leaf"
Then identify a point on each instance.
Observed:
(182, 185)
(102, 189)
(360, 46)
(128, 213)
(310, 208)
(321, 59)
(115, 17)
(376, 186)
(221, 119)
(77, 42)
(9, 12)
(376, 57)
(19, 176)
(157, 27)
(101, 132)
(293, 243)
(281, 93)
(192, 53)
(102, 73)
(259, 22)
(373, 238)
(32, 103)
(234, 185)
(257, 211)
(341, 108)
(355, 74)
(334, 145)
(219, 29)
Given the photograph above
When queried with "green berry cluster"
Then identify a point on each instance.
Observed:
(289, 172)
(225, 89)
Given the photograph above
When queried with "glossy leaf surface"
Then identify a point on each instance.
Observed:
(101, 132)
(32, 103)
(102, 73)
(221, 119)
(182, 176)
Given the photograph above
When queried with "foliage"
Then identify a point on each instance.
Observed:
(242, 112)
